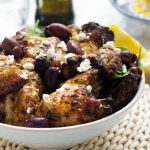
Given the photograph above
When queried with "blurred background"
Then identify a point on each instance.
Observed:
(15, 14)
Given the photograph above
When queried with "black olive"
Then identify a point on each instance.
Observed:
(12, 47)
(136, 71)
(129, 58)
(51, 78)
(37, 123)
(74, 47)
(59, 30)
(89, 27)
(101, 35)
(42, 64)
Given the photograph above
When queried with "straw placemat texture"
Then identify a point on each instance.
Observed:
(133, 133)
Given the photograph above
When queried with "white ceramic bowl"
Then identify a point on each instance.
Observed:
(64, 137)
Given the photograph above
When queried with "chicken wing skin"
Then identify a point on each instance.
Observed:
(24, 102)
(11, 80)
(73, 103)
(72, 107)
(107, 61)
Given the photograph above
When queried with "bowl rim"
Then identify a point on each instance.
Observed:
(136, 97)
(113, 2)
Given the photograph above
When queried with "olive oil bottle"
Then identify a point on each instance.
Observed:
(50, 11)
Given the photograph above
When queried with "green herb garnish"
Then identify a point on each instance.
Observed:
(123, 48)
(35, 30)
(121, 72)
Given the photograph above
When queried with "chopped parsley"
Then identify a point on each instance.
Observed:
(123, 48)
(121, 72)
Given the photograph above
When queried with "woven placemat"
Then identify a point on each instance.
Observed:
(133, 133)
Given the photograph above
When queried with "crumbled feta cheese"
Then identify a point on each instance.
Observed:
(46, 42)
(124, 69)
(28, 66)
(24, 75)
(69, 55)
(82, 36)
(10, 59)
(45, 96)
(109, 44)
(61, 62)
(2, 64)
(29, 110)
(84, 66)
(62, 45)
(89, 89)
(50, 52)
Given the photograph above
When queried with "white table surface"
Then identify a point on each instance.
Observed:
(100, 11)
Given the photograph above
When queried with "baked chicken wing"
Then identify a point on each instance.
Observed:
(11, 80)
(73, 103)
(22, 104)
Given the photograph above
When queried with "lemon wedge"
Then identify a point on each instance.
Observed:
(124, 39)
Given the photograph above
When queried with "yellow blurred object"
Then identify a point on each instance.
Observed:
(148, 1)
(124, 39)
(142, 7)
(146, 65)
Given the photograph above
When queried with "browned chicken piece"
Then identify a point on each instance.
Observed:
(24, 102)
(107, 61)
(83, 40)
(39, 45)
(6, 61)
(91, 36)
(90, 77)
(55, 51)
(69, 68)
(124, 91)
(73, 103)
(11, 80)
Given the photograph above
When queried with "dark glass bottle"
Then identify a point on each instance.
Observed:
(50, 11)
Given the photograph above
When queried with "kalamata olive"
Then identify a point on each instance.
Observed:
(74, 47)
(134, 61)
(37, 123)
(1, 47)
(51, 78)
(101, 35)
(89, 27)
(128, 58)
(136, 71)
(12, 47)
(59, 30)
(42, 64)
